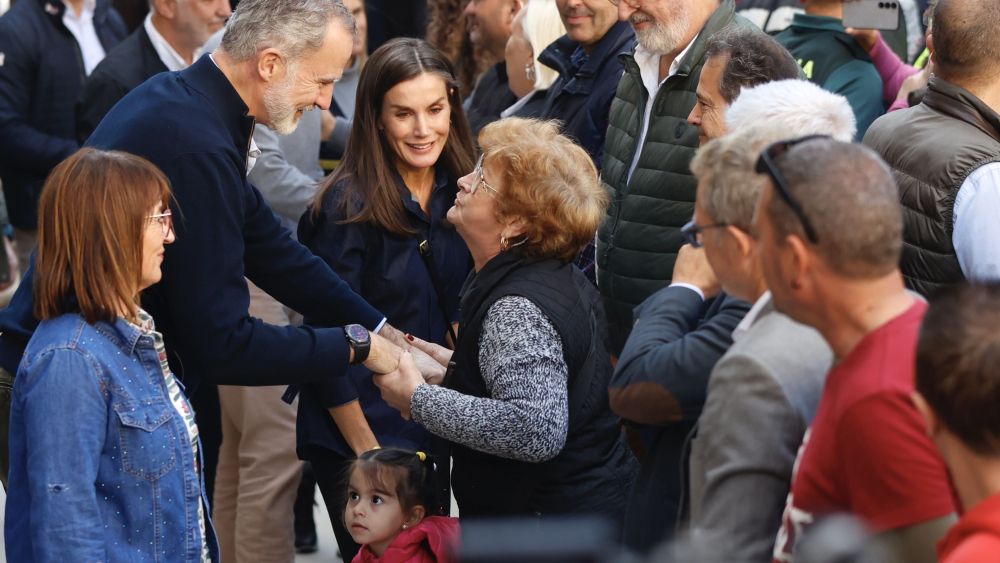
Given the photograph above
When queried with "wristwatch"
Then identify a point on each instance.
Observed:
(359, 340)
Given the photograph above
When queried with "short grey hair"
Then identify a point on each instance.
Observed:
(752, 58)
(293, 27)
(849, 195)
(793, 108)
(728, 186)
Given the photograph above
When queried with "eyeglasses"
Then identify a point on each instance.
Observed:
(480, 180)
(165, 221)
(766, 163)
(635, 4)
(692, 231)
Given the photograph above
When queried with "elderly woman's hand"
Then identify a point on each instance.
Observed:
(398, 386)
(439, 353)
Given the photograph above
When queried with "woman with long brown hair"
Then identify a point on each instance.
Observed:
(379, 222)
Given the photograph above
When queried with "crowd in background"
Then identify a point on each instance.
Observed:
(720, 279)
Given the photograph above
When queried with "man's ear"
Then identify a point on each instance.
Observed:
(744, 242)
(271, 65)
(166, 8)
(930, 419)
(800, 260)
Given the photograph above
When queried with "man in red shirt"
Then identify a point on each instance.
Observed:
(958, 390)
(830, 231)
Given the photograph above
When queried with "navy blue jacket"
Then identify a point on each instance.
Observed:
(581, 96)
(194, 126)
(41, 76)
(661, 380)
(389, 272)
(128, 65)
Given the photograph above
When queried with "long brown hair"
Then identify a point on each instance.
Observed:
(371, 192)
(91, 218)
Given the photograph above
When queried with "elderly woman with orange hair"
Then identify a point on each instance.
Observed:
(524, 402)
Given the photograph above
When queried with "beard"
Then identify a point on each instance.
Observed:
(663, 37)
(281, 111)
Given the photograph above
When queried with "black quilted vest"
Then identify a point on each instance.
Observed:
(932, 148)
(594, 470)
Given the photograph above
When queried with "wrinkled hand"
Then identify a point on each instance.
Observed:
(383, 356)
(432, 370)
(865, 37)
(440, 354)
(398, 386)
(692, 267)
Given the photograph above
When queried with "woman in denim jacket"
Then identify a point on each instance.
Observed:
(105, 462)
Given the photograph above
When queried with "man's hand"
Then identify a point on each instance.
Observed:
(383, 356)
(692, 268)
(397, 387)
(865, 37)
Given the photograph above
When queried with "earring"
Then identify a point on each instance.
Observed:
(404, 526)
(504, 244)
(529, 72)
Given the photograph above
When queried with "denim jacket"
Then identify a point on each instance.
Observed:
(102, 468)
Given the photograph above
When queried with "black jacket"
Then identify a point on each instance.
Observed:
(581, 96)
(594, 470)
(126, 66)
(491, 96)
(661, 382)
(41, 75)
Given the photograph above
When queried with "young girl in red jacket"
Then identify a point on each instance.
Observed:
(389, 493)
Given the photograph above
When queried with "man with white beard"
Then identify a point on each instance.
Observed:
(647, 152)
(648, 148)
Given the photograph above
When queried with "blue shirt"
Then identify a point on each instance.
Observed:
(102, 468)
(388, 271)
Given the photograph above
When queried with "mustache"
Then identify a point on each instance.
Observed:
(577, 12)
(639, 17)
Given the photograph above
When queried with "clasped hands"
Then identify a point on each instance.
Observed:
(400, 363)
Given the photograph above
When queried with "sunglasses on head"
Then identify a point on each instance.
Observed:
(766, 163)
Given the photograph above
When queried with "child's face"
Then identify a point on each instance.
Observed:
(373, 516)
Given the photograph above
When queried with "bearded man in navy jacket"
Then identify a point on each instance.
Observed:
(278, 58)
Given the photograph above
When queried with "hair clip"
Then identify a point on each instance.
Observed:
(422, 456)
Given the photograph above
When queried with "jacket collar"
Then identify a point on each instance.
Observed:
(55, 9)
(207, 79)
(559, 55)
(121, 333)
(957, 102)
(818, 23)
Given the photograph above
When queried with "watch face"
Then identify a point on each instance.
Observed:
(356, 333)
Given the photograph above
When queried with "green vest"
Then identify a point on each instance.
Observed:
(932, 148)
(638, 241)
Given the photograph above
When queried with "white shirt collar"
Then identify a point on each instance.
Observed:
(744, 327)
(170, 57)
(649, 66)
(87, 12)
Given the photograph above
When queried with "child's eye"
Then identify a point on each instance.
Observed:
(353, 496)
(377, 500)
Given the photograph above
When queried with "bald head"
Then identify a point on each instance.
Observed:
(964, 36)
(850, 198)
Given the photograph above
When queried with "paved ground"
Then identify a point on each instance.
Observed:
(327, 544)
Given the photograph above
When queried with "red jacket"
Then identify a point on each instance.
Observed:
(434, 539)
(975, 537)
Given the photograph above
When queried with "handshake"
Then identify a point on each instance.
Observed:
(401, 363)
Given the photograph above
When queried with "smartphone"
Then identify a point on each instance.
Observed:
(871, 14)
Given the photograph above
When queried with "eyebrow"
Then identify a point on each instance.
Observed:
(435, 102)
